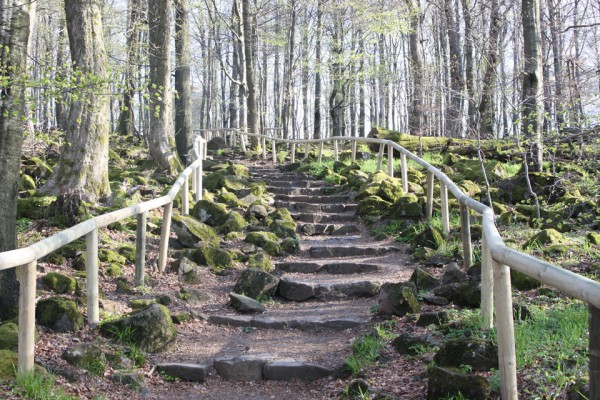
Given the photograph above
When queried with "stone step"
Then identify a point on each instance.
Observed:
(323, 218)
(306, 191)
(257, 367)
(310, 229)
(334, 268)
(317, 208)
(298, 289)
(323, 199)
(310, 323)
(351, 251)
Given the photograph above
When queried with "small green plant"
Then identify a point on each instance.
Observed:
(458, 396)
(96, 366)
(374, 309)
(122, 335)
(365, 351)
(467, 369)
(137, 356)
(34, 385)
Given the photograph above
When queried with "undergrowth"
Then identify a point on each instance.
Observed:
(39, 386)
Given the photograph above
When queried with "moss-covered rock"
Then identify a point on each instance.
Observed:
(9, 361)
(239, 170)
(127, 250)
(372, 205)
(209, 212)
(213, 257)
(111, 257)
(544, 238)
(229, 199)
(423, 280)
(430, 237)
(406, 206)
(283, 228)
(113, 270)
(260, 260)
(290, 245)
(593, 238)
(26, 182)
(398, 299)
(34, 207)
(151, 328)
(136, 304)
(59, 314)
(479, 354)
(520, 281)
(445, 382)
(190, 231)
(390, 190)
(356, 178)
(265, 240)
(255, 282)
(59, 283)
(235, 222)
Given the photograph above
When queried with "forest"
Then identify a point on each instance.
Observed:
(101, 101)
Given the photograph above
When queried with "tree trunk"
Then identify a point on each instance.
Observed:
(12, 98)
(249, 23)
(60, 109)
(469, 67)
(457, 80)
(337, 97)
(288, 73)
(161, 135)
(183, 86)
(318, 49)
(415, 119)
(127, 116)
(305, 71)
(82, 171)
(533, 109)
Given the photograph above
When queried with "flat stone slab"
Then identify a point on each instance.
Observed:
(301, 323)
(346, 251)
(242, 368)
(185, 372)
(339, 268)
(323, 218)
(317, 208)
(297, 290)
(317, 199)
(245, 304)
(311, 229)
(286, 370)
(307, 191)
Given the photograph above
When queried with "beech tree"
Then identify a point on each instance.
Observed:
(82, 171)
(183, 104)
(13, 68)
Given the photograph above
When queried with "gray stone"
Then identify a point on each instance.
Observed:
(423, 280)
(453, 274)
(186, 372)
(398, 299)
(309, 323)
(296, 291)
(245, 304)
(286, 370)
(432, 318)
(301, 267)
(194, 297)
(190, 231)
(444, 382)
(216, 143)
(242, 368)
(190, 272)
(258, 211)
(133, 379)
(59, 314)
(480, 354)
(467, 294)
(409, 344)
(435, 300)
(255, 282)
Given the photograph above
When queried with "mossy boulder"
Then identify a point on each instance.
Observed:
(9, 336)
(229, 199)
(238, 170)
(283, 228)
(113, 270)
(398, 299)
(545, 237)
(265, 240)
(26, 182)
(215, 258)
(479, 354)
(235, 222)
(260, 260)
(151, 328)
(430, 237)
(423, 280)
(9, 361)
(356, 178)
(111, 257)
(127, 250)
(445, 382)
(137, 304)
(59, 314)
(466, 294)
(59, 283)
(255, 282)
(406, 206)
(593, 238)
(390, 190)
(520, 281)
(209, 212)
(34, 207)
(290, 245)
(190, 231)
(372, 205)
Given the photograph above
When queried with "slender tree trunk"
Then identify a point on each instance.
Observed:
(557, 48)
(318, 40)
(457, 80)
(533, 106)
(304, 76)
(127, 117)
(60, 109)
(415, 119)
(12, 97)
(469, 67)
(161, 136)
(337, 97)
(82, 171)
(249, 22)
(183, 84)
(288, 73)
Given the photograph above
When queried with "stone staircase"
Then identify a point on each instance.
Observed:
(325, 296)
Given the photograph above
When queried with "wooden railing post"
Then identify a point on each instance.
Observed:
(264, 149)
(198, 187)
(306, 150)
(380, 157)
(594, 352)
(26, 347)
(185, 200)
(390, 160)
(465, 232)
(164, 237)
(353, 150)
(429, 202)
(404, 171)
(293, 153)
(320, 158)
(274, 150)
(335, 150)
(487, 285)
(445, 212)
(91, 253)
(140, 248)
(505, 331)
